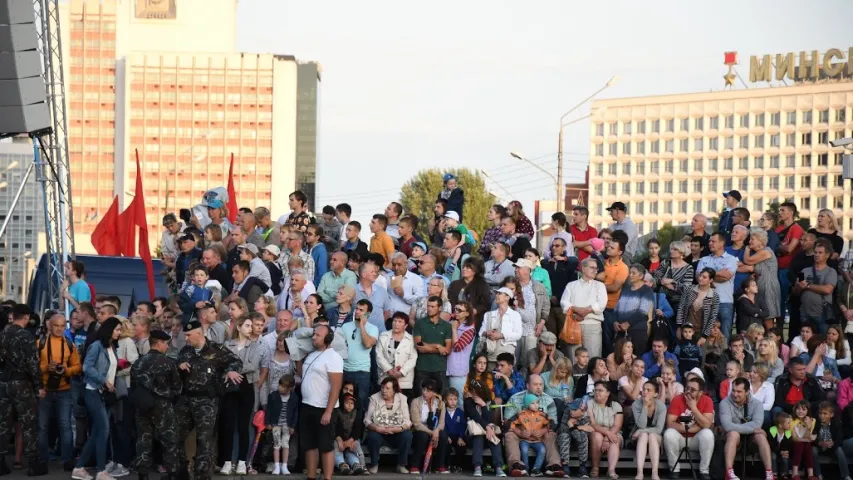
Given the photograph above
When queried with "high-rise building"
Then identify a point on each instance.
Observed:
(671, 156)
(19, 245)
(162, 79)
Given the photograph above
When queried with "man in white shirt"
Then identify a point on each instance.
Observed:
(501, 329)
(405, 287)
(499, 266)
(587, 298)
(297, 291)
(322, 377)
(283, 323)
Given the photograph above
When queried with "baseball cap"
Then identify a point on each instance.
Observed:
(618, 206)
(524, 263)
(273, 249)
(422, 245)
(734, 194)
(186, 238)
(452, 215)
(214, 203)
(250, 247)
(507, 292)
(696, 371)
(548, 338)
(447, 177)
(347, 397)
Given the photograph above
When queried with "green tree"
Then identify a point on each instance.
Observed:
(419, 193)
(774, 207)
(668, 234)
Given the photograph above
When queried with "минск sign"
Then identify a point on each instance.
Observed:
(802, 66)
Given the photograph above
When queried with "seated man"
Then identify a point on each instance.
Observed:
(514, 406)
(741, 414)
(796, 385)
(542, 358)
(689, 419)
(656, 357)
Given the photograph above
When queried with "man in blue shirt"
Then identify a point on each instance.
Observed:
(726, 267)
(74, 289)
(733, 199)
(360, 336)
(366, 289)
(318, 252)
(508, 381)
(655, 359)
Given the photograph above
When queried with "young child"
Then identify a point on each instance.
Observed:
(733, 371)
(455, 426)
(194, 294)
(574, 427)
(526, 423)
(349, 428)
(418, 250)
(581, 364)
(689, 354)
(668, 387)
(781, 444)
(829, 440)
(802, 435)
(281, 415)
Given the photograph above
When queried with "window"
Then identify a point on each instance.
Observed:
(611, 169)
(744, 141)
(611, 149)
(698, 165)
(713, 185)
(653, 188)
(823, 160)
(789, 161)
(699, 144)
(821, 181)
(839, 115)
(712, 206)
(653, 208)
(728, 164)
(791, 139)
(626, 188)
(744, 120)
(699, 123)
(697, 206)
(599, 189)
(837, 202)
(821, 202)
(599, 150)
(713, 143)
(759, 162)
(655, 126)
(682, 186)
(774, 161)
(714, 123)
(626, 148)
(823, 116)
(730, 142)
(667, 186)
(640, 187)
(789, 182)
(641, 126)
(599, 209)
(670, 125)
(759, 119)
(599, 170)
(697, 185)
(641, 168)
(759, 183)
(758, 204)
(685, 124)
(655, 146)
(626, 128)
(730, 121)
(774, 183)
(822, 138)
(743, 163)
(807, 203)
(599, 129)
(807, 116)
(682, 165)
(683, 145)
(682, 206)
(743, 184)
(626, 169)
(712, 164)
(838, 159)
(727, 184)
(791, 118)
(614, 129)
(653, 168)
(668, 166)
(775, 118)
(667, 207)
(670, 146)
(759, 141)
(641, 147)
(612, 189)
(806, 182)
(806, 160)
(775, 140)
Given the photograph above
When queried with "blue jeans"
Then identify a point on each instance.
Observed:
(477, 444)
(818, 321)
(726, 313)
(785, 290)
(362, 383)
(607, 332)
(347, 456)
(96, 444)
(537, 447)
(779, 465)
(401, 441)
(838, 450)
(458, 383)
(56, 404)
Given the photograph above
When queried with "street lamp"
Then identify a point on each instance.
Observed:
(486, 174)
(546, 172)
(563, 124)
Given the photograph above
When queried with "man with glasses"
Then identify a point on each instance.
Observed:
(295, 242)
(426, 267)
(360, 337)
(432, 337)
(742, 415)
(689, 421)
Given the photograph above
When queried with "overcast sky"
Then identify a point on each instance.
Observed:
(408, 86)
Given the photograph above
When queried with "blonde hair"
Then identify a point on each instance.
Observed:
(762, 370)
(755, 327)
(829, 213)
(270, 309)
(126, 327)
(772, 351)
(562, 362)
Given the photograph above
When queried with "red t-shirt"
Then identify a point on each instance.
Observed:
(678, 407)
(582, 236)
(794, 233)
(795, 394)
(654, 266)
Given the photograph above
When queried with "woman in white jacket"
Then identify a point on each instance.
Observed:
(501, 328)
(396, 354)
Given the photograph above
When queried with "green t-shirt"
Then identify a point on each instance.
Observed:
(432, 333)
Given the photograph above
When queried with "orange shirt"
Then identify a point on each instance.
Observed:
(530, 421)
(382, 243)
(617, 274)
(57, 347)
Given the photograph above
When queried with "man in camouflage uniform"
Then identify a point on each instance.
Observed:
(157, 378)
(20, 388)
(204, 368)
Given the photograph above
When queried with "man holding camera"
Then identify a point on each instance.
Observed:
(741, 414)
(58, 362)
(689, 420)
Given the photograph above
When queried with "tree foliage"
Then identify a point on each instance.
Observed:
(419, 193)
(668, 234)
(774, 207)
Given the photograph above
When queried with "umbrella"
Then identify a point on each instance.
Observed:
(428, 455)
(258, 422)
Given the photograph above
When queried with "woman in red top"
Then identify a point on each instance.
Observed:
(652, 262)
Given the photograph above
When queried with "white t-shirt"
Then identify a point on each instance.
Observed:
(315, 376)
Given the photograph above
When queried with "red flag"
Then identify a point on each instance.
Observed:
(129, 221)
(105, 238)
(232, 195)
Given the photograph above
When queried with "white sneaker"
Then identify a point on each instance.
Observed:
(277, 470)
(226, 468)
(270, 466)
(118, 470)
(284, 470)
(105, 475)
(241, 467)
(80, 474)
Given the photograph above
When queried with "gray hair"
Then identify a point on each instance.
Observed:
(740, 227)
(681, 247)
(398, 255)
(297, 271)
(589, 260)
(759, 234)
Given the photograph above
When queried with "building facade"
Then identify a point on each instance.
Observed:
(669, 157)
(19, 246)
(307, 120)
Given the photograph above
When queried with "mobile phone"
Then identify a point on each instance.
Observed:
(801, 276)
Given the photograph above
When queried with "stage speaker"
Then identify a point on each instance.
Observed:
(23, 96)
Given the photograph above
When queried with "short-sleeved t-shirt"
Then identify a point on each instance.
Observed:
(623, 382)
(678, 407)
(794, 232)
(582, 236)
(358, 358)
(811, 303)
(80, 291)
(315, 376)
(618, 274)
(432, 333)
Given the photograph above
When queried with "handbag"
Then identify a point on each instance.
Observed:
(571, 332)
(475, 429)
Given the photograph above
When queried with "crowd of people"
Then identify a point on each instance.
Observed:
(720, 342)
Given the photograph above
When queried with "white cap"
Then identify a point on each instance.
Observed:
(452, 215)
(506, 292)
(525, 263)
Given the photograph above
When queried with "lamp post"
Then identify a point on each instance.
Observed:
(486, 174)
(560, 200)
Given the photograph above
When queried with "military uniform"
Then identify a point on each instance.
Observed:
(20, 382)
(158, 375)
(198, 406)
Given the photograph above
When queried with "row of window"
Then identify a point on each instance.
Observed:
(202, 114)
(743, 163)
(214, 150)
(758, 141)
(138, 93)
(246, 79)
(654, 226)
(682, 186)
(746, 120)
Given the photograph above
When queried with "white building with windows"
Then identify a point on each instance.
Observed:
(671, 156)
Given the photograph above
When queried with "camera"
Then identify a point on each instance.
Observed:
(685, 419)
